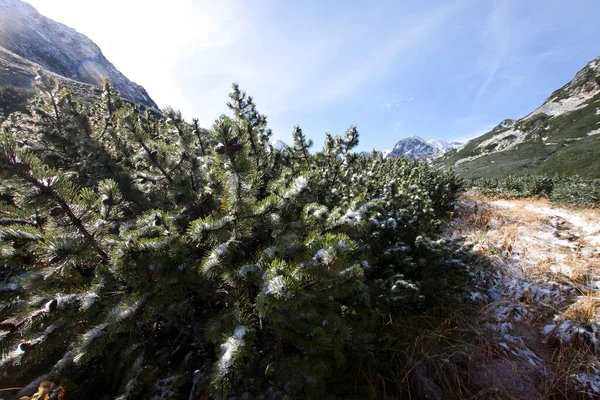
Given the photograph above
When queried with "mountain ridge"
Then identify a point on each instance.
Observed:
(559, 137)
(417, 147)
(57, 49)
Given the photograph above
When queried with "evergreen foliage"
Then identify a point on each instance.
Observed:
(567, 190)
(146, 257)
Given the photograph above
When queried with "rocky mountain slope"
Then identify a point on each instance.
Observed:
(559, 137)
(28, 41)
(416, 147)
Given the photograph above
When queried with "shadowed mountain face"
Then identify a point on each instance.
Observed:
(562, 136)
(29, 40)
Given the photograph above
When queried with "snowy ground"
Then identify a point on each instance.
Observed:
(539, 300)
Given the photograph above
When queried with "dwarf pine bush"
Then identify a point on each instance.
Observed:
(145, 257)
(567, 190)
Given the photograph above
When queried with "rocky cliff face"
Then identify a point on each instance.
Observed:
(559, 137)
(28, 40)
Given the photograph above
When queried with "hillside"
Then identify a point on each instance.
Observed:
(30, 41)
(17, 75)
(559, 137)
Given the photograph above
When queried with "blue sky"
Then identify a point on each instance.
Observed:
(436, 69)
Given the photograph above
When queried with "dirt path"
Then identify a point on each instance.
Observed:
(540, 298)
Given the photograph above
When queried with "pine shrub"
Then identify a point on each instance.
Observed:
(562, 190)
(146, 257)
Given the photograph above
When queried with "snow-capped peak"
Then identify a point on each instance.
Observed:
(416, 147)
(278, 144)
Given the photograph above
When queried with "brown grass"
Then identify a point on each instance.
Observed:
(516, 234)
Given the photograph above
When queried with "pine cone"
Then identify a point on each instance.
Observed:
(229, 148)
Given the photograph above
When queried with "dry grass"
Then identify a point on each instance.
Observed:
(428, 356)
(553, 254)
(586, 309)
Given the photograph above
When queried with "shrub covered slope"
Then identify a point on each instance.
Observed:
(145, 256)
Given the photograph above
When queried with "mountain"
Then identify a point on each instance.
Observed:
(416, 147)
(443, 146)
(30, 41)
(562, 136)
(278, 144)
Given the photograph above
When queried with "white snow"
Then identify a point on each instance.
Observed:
(548, 328)
(300, 184)
(554, 107)
(278, 288)
(501, 143)
(92, 334)
(594, 132)
(12, 356)
(590, 230)
(88, 300)
(416, 147)
(503, 204)
(131, 310)
(230, 349)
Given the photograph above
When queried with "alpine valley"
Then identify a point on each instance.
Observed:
(145, 257)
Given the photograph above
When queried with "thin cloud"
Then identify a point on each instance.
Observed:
(405, 45)
(398, 102)
(496, 39)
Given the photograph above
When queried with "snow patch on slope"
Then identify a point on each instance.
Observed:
(555, 107)
(504, 141)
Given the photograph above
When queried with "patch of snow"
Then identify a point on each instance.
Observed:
(554, 107)
(92, 334)
(231, 348)
(580, 222)
(562, 270)
(501, 140)
(131, 310)
(503, 204)
(468, 159)
(300, 183)
(278, 288)
(88, 300)
(547, 329)
(594, 132)
(587, 382)
(324, 256)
